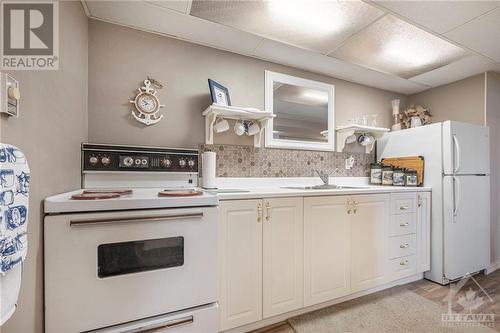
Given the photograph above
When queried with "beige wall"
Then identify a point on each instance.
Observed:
(120, 58)
(461, 101)
(493, 121)
(52, 124)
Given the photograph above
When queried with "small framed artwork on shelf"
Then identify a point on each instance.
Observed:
(219, 93)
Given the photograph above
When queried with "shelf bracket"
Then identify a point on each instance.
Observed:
(209, 125)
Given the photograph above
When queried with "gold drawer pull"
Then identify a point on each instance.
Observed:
(404, 208)
(404, 263)
(404, 246)
(268, 208)
(404, 224)
(259, 212)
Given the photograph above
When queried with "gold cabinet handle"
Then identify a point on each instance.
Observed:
(404, 246)
(259, 212)
(404, 263)
(404, 224)
(404, 208)
(348, 206)
(355, 209)
(268, 209)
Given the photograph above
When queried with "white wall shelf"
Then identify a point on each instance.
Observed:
(215, 111)
(343, 132)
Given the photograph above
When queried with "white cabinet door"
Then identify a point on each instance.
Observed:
(283, 264)
(327, 242)
(369, 245)
(240, 263)
(423, 232)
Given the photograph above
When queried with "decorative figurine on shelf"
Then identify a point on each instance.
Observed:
(416, 116)
(147, 104)
(395, 113)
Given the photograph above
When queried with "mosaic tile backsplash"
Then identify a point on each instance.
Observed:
(247, 161)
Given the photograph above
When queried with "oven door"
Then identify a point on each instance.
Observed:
(104, 269)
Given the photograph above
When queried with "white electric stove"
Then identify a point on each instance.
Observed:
(125, 258)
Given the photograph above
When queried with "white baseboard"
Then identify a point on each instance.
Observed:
(285, 316)
(493, 267)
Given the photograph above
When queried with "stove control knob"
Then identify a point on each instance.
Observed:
(93, 160)
(191, 163)
(166, 163)
(105, 160)
(128, 161)
(182, 163)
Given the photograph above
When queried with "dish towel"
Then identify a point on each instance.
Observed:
(14, 197)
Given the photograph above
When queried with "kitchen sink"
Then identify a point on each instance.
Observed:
(324, 187)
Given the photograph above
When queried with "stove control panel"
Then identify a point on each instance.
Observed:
(126, 158)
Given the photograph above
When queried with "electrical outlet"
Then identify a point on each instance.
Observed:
(349, 162)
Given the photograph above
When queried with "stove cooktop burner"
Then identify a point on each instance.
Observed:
(101, 194)
(95, 196)
(180, 192)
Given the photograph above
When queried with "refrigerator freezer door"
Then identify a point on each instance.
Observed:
(466, 225)
(466, 149)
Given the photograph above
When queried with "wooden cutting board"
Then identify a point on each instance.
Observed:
(408, 162)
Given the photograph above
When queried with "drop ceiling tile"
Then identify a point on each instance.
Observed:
(291, 56)
(315, 25)
(153, 18)
(181, 6)
(394, 46)
(458, 70)
(439, 16)
(481, 34)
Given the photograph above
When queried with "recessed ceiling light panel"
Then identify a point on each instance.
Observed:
(317, 25)
(394, 46)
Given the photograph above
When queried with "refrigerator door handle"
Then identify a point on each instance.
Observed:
(456, 197)
(456, 156)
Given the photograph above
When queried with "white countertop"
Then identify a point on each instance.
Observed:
(273, 187)
(256, 193)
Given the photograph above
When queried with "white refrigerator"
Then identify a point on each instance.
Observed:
(457, 167)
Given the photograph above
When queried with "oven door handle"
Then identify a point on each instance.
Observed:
(138, 219)
(164, 326)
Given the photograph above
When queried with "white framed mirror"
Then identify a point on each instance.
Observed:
(304, 110)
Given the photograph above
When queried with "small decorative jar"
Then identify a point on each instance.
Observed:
(411, 177)
(387, 175)
(376, 174)
(398, 177)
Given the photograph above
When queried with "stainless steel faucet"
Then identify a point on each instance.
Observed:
(324, 177)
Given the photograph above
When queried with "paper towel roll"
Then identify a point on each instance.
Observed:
(208, 161)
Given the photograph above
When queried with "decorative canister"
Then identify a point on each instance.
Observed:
(387, 175)
(398, 177)
(411, 177)
(375, 173)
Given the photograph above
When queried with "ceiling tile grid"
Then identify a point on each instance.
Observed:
(439, 16)
(481, 34)
(403, 46)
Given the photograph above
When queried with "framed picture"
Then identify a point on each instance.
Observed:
(219, 93)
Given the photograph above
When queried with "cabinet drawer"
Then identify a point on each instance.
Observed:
(403, 224)
(403, 267)
(402, 246)
(403, 203)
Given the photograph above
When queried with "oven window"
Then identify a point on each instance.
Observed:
(139, 256)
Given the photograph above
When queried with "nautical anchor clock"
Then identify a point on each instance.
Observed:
(147, 104)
